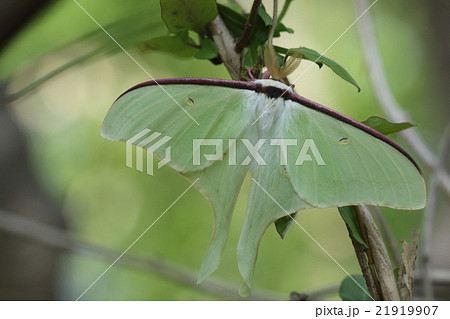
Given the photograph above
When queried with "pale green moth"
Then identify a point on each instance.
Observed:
(311, 155)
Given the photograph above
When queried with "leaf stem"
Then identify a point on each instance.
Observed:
(286, 5)
(242, 42)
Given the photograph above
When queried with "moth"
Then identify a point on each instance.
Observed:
(299, 154)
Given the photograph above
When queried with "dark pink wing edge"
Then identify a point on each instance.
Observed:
(277, 92)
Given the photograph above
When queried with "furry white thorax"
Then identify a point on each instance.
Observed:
(277, 84)
(264, 110)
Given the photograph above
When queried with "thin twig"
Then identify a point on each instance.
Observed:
(429, 217)
(317, 295)
(320, 293)
(57, 71)
(387, 100)
(275, 21)
(393, 247)
(57, 238)
(242, 42)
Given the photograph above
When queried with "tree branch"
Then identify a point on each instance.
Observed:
(56, 238)
(225, 44)
(396, 254)
(364, 265)
(387, 101)
(243, 40)
(59, 239)
(381, 260)
(315, 295)
(319, 293)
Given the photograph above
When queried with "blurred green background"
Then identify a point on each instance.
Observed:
(108, 204)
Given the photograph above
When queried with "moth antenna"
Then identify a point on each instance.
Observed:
(271, 61)
(291, 63)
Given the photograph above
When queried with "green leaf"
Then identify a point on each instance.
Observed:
(320, 60)
(234, 20)
(282, 224)
(262, 25)
(281, 49)
(251, 55)
(172, 43)
(184, 35)
(265, 16)
(384, 126)
(314, 56)
(348, 214)
(350, 291)
(260, 31)
(282, 28)
(286, 5)
(208, 50)
(179, 15)
(267, 19)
